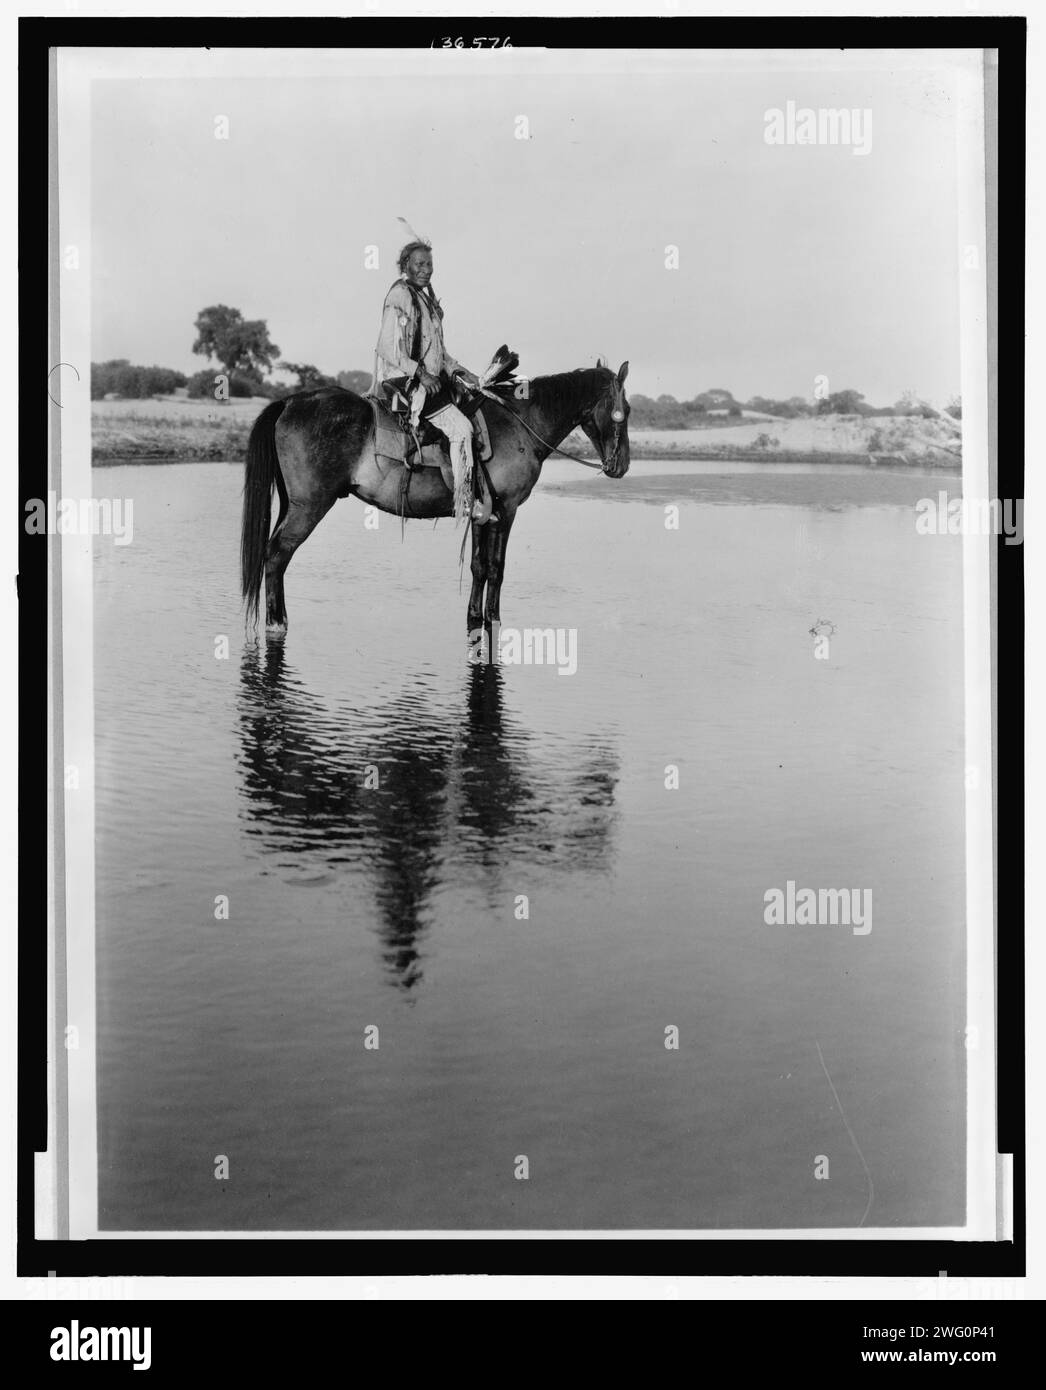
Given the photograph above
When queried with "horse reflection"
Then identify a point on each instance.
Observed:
(415, 795)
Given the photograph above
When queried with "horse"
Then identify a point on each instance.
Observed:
(317, 446)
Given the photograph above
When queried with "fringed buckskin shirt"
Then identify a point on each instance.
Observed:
(396, 341)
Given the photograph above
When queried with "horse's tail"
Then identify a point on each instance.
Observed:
(262, 471)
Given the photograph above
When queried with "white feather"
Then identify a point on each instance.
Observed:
(412, 235)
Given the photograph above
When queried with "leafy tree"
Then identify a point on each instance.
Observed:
(954, 408)
(103, 376)
(309, 377)
(240, 384)
(239, 344)
(841, 403)
(716, 399)
(119, 377)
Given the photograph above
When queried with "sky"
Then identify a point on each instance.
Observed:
(794, 261)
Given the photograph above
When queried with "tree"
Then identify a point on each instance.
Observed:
(716, 399)
(104, 376)
(236, 384)
(954, 408)
(309, 377)
(846, 402)
(239, 344)
(120, 377)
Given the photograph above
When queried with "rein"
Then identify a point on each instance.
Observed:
(552, 448)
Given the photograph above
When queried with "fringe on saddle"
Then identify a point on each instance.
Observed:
(499, 373)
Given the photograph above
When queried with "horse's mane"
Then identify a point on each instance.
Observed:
(564, 389)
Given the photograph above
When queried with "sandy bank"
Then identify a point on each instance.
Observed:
(180, 430)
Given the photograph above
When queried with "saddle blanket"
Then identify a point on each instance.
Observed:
(394, 443)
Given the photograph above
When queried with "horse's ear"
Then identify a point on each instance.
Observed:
(622, 374)
(600, 362)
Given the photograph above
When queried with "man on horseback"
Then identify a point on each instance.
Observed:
(412, 361)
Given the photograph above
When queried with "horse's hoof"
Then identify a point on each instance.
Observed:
(276, 629)
(478, 651)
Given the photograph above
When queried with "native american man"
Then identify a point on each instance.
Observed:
(412, 356)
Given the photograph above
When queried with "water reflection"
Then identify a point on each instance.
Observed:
(430, 788)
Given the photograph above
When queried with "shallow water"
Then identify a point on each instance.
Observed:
(396, 906)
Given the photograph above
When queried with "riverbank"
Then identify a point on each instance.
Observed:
(171, 430)
(178, 430)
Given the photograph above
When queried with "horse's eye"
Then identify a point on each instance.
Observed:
(618, 415)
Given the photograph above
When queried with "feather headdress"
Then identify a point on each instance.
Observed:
(412, 235)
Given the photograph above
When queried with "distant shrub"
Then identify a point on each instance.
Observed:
(355, 381)
(848, 402)
(309, 377)
(119, 377)
(763, 405)
(716, 399)
(202, 383)
(241, 384)
(912, 405)
(667, 413)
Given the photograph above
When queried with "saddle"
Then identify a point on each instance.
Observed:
(394, 441)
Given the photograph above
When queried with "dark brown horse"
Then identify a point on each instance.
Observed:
(317, 446)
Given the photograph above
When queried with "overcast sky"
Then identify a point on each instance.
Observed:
(794, 260)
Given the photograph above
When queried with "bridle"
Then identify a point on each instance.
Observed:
(617, 415)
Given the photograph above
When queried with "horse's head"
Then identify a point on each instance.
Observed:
(606, 421)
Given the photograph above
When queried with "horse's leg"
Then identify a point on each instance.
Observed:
(479, 580)
(497, 542)
(301, 520)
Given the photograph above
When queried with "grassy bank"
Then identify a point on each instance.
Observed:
(173, 430)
